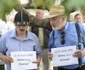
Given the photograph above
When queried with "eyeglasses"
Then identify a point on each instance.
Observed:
(62, 37)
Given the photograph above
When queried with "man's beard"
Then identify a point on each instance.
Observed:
(55, 28)
(58, 28)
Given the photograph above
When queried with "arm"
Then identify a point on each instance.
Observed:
(38, 60)
(6, 59)
(79, 53)
(50, 55)
(38, 50)
(3, 49)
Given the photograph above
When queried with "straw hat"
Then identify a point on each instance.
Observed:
(56, 10)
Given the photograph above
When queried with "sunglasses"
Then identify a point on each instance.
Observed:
(62, 37)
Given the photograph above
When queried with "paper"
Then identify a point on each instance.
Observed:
(64, 56)
(23, 60)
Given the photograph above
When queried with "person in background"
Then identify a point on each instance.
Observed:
(19, 39)
(10, 23)
(3, 27)
(78, 18)
(43, 35)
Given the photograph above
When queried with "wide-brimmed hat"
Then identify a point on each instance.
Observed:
(56, 10)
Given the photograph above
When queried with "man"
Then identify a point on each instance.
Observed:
(40, 14)
(43, 35)
(78, 18)
(64, 34)
(19, 39)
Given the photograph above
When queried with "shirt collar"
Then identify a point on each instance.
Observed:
(13, 35)
(66, 26)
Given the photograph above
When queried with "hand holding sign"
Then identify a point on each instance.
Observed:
(23, 60)
(50, 55)
(78, 54)
(64, 56)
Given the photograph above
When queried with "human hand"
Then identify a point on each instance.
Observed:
(78, 54)
(50, 55)
(37, 62)
(6, 59)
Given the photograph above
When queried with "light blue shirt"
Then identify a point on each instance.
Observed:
(9, 42)
(71, 39)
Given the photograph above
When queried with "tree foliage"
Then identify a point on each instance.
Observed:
(73, 5)
(43, 4)
(6, 7)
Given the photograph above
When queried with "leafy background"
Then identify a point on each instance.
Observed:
(6, 6)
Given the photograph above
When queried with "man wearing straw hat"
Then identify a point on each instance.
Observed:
(65, 34)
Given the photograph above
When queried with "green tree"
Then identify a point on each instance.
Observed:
(73, 5)
(6, 6)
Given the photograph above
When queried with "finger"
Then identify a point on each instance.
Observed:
(10, 59)
(79, 51)
(35, 61)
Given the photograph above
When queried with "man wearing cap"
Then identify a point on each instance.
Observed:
(64, 34)
(19, 39)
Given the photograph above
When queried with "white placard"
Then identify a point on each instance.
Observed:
(64, 56)
(23, 60)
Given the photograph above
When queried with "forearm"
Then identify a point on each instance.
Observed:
(1, 56)
(6, 59)
(38, 58)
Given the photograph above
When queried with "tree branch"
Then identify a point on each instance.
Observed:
(44, 23)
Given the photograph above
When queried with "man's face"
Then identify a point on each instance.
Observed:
(79, 19)
(21, 29)
(57, 22)
(39, 14)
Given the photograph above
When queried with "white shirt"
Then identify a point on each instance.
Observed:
(3, 27)
(10, 26)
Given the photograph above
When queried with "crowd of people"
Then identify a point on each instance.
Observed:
(15, 36)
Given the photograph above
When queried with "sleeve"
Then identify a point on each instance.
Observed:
(3, 44)
(37, 47)
(50, 45)
(82, 33)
